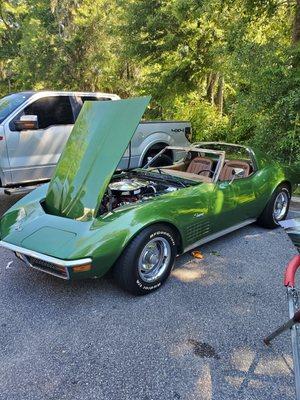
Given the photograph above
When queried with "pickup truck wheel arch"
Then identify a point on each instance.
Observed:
(155, 149)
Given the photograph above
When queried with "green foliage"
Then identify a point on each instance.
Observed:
(206, 120)
(232, 67)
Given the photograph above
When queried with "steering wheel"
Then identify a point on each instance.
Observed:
(206, 170)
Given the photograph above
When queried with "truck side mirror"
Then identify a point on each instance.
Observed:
(26, 123)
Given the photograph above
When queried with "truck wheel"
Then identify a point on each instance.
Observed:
(162, 161)
(277, 208)
(147, 261)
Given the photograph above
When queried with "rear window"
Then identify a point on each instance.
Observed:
(94, 98)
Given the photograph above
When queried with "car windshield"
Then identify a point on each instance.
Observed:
(10, 103)
(190, 164)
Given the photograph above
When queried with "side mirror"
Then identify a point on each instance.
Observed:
(27, 123)
(237, 173)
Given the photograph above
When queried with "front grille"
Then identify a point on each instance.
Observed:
(46, 266)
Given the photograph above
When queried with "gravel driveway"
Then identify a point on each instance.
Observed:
(199, 337)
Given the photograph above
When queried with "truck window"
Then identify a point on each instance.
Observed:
(94, 98)
(52, 110)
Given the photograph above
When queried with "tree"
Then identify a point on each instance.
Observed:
(230, 66)
(296, 25)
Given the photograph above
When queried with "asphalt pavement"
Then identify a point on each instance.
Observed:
(199, 337)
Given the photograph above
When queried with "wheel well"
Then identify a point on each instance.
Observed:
(288, 184)
(179, 243)
(156, 148)
(176, 231)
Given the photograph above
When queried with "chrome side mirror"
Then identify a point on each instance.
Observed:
(237, 173)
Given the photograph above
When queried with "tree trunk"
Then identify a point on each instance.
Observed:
(296, 26)
(210, 90)
(219, 100)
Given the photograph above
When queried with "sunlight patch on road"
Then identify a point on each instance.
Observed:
(242, 359)
(204, 383)
(254, 236)
(234, 381)
(274, 366)
(188, 275)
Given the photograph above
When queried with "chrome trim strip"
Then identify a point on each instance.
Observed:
(53, 260)
(218, 234)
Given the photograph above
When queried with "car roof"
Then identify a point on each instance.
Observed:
(68, 93)
(192, 147)
(222, 144)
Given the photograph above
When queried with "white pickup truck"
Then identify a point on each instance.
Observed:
(34, 127)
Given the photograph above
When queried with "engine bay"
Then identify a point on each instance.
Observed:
(128, 189)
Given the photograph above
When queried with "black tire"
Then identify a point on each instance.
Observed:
(162, 161)
(267, 218)
(126, 270)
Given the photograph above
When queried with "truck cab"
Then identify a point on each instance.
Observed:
(35, 126)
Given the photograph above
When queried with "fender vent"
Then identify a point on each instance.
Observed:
(197, 230)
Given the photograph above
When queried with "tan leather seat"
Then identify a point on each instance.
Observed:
(199, 164)
(227, 170)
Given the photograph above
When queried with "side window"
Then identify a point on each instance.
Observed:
(236, 158)
(94, 98)
(52, 110)
(81, 99)
(89, 98)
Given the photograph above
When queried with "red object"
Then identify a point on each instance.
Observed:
(290, 271)
(1, 138)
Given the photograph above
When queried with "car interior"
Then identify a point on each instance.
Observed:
(201, 166)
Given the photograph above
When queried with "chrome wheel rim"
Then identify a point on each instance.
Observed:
(280, 206)
(154, 259)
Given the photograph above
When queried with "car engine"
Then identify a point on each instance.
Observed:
(129, 190)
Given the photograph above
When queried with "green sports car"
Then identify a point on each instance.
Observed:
(91, 218)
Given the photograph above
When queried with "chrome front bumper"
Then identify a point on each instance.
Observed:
(41, 262)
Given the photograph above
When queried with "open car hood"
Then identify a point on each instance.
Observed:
(98, 140)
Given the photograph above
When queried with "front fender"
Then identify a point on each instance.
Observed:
(108, 236)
